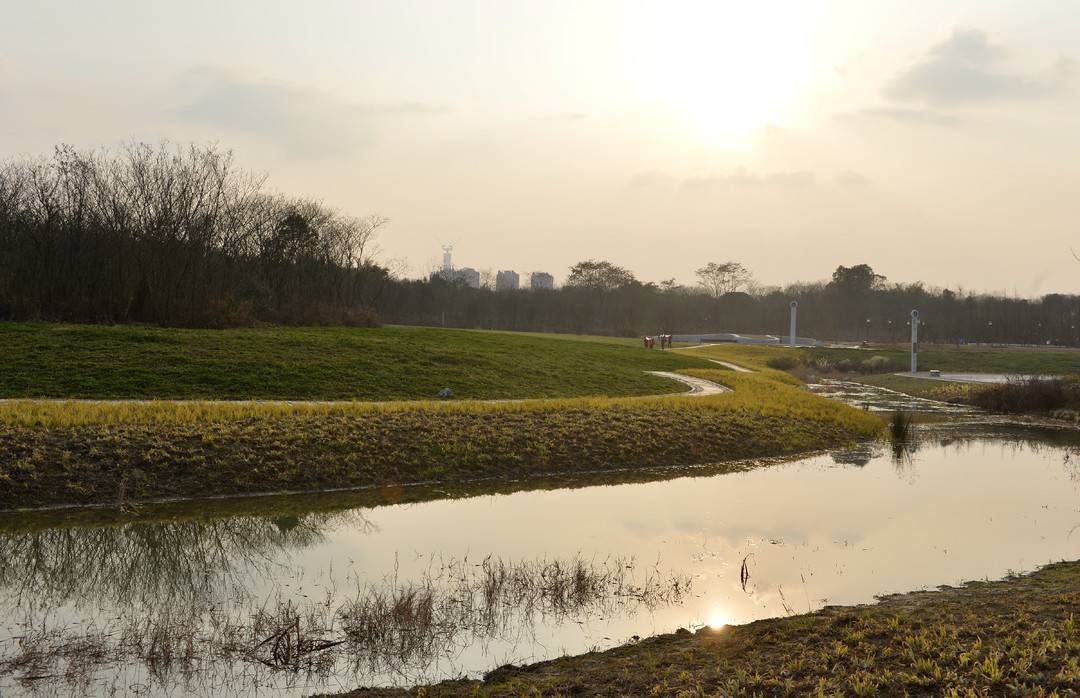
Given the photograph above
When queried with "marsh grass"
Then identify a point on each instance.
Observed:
(1030, 395)
(388, 628)
(901, 425)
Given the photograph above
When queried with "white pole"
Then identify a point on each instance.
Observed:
(914, 341)
(794, 311)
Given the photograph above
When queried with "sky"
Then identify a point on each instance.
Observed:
(934, 141)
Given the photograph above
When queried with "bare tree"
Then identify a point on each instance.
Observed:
(174, 236)
(723, 277)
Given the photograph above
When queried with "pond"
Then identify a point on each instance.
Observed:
(286, 596)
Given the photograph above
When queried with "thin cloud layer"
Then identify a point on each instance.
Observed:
(741, 178)
(967, 68)
(903, 115)
(301, 122)
(849, 179)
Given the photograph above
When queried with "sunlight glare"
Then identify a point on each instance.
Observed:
(723, 69)
(717, 619)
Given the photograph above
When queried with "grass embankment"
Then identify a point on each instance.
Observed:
(81, 453)
(318, 363)
(1015, 637)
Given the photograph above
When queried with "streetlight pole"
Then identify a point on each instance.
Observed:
(914, 341)
(791, 335)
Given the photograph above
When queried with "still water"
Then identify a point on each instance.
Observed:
(298, 597)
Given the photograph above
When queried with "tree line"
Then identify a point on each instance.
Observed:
(183, 237)
(845, 308)
(176, 236)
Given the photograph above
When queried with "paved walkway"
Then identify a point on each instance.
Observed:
(699, 387)
(734, 367)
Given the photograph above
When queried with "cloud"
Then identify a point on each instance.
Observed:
(301, 121)
(652, 178)
(903, 115)
(741, 178)
(851, 180)
(967, 69)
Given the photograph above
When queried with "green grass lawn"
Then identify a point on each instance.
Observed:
(1050, 360)
(390, 363)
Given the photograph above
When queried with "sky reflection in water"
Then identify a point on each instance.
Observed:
(834, 529)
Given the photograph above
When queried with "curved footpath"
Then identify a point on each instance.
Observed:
(698, 387)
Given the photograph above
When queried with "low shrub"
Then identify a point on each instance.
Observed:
(782, 363)
(881, 364)
(1032, 394)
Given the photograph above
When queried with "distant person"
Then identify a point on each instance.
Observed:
(645, 342)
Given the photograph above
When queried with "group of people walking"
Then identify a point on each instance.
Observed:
(665, 341)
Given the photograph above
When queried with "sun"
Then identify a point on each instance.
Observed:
(722, 70)
(717, 619)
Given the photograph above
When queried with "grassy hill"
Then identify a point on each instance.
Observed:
(389, 363)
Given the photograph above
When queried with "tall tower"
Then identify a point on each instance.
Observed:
(447, 265)
(791, 334)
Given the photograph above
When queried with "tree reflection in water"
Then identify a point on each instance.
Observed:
(154, 563)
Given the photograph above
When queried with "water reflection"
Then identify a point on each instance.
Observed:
(164, 562)
(292, 601)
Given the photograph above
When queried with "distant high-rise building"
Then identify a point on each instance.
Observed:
(507, 281)
(539, 279)
(447, 264)
(468, 276)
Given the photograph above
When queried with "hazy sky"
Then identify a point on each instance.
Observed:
(934, 141)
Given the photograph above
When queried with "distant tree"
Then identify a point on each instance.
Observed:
(597, 274)
(725, 277)
(856, 280)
